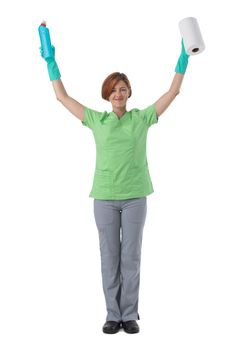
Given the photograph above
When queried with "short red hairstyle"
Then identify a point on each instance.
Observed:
(111, 81)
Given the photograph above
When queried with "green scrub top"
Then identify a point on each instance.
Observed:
(121, 170)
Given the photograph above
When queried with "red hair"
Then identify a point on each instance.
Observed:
(111, 81)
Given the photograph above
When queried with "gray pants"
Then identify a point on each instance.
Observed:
(120, 225)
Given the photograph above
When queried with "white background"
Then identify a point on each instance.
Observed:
(51, 293)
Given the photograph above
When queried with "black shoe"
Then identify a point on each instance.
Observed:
(130, 327)
(111, 327)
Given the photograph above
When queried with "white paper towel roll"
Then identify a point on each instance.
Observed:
(190, 32)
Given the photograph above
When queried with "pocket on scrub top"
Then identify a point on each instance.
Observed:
(102, 182)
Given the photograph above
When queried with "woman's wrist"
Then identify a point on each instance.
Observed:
(53, 70)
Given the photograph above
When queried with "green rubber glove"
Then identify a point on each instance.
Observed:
(53, 70)
(182, 61)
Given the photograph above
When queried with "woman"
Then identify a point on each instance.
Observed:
(121, 185)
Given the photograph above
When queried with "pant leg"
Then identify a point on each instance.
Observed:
(108, 221)
(133, 219)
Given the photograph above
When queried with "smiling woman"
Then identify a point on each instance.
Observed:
(116, 89)
(121, 185)
(110, 82)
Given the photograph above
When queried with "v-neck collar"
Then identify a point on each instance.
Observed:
(119, 119)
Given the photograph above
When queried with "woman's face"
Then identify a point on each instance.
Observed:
(119, 95)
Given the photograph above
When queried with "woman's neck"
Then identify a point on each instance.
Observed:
(119, 111)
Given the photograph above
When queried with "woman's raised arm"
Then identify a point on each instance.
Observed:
(71, 104)
(76, 108)
(165, 100)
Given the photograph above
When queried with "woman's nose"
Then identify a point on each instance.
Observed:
(118, 93)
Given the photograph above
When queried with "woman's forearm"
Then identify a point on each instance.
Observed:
(59, 90)
(176, 84)
(70, 103)
(165, 100)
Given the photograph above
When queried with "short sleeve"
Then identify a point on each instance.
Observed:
(91, 117)
(149, 115)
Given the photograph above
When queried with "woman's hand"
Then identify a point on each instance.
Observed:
(182, 61)
(53, 70)
(49, 58)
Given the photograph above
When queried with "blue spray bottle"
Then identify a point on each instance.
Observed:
(45, 41)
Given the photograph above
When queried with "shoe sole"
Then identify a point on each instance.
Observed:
(131, 332)
(111, 332)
